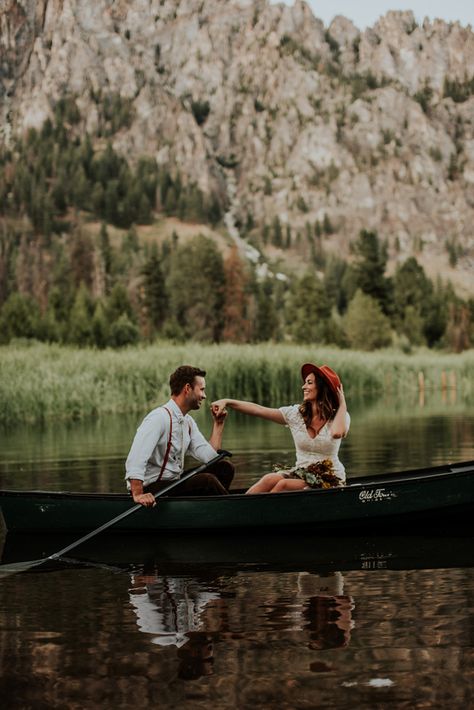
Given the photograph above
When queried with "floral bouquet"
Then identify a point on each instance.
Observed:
(316, 475)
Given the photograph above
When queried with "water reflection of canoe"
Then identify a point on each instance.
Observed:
(441, 495)
(214, 554)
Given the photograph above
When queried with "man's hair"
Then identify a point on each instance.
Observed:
(184, 375)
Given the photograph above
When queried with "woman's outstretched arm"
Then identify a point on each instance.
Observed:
(250, 408)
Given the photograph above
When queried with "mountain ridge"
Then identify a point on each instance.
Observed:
(264, 106)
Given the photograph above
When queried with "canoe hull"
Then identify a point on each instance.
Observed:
(437, 496)
(203, 554)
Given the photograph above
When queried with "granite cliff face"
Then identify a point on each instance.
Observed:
(262, 103)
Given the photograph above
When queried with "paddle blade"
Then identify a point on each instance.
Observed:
(17, 567)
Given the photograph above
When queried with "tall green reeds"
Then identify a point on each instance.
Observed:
(39, 382)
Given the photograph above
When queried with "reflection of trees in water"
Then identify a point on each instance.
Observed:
(386, 434)
(71, 639)
(393, 443)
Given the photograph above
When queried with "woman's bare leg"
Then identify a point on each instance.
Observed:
(289, 484)
(266, 483)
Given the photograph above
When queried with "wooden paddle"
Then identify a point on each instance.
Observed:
(23, 566)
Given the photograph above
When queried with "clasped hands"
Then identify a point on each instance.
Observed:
(218, 410)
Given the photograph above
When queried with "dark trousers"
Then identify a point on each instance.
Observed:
(213, 482)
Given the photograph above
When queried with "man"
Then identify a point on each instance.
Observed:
(167, 434)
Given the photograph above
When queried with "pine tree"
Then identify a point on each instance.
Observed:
(118, 303)
(369, 269)
(237, 327)
(309, 311)
(267, 326)
(196, 286)
(81, 189)
(111, 201)
(144, 210)
(82, 258)
(155, 297)
(98, 200)
(49, 329)
(335, 283)
(100, 327)
(19, 318)
(123, 332)
(277, 232)
(412, 297)
(437, 314)
(365, 325)
(105, 250)
(80, 318)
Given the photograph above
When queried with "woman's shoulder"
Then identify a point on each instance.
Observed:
(291, 413)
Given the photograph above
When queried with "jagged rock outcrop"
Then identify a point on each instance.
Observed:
(374, 129)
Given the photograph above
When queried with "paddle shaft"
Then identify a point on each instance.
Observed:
(136, 507)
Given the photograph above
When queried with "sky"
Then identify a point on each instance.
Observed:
(364, 13)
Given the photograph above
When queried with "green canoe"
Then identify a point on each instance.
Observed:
(207, 554)
(438, 496)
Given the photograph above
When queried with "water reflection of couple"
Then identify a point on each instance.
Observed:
(170, 609)
(185, 612)
(327, 611)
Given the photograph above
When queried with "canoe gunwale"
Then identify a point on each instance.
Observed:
(413, 476)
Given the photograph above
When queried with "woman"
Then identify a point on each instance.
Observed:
(317, 427)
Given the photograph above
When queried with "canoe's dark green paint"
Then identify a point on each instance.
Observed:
(437, 496)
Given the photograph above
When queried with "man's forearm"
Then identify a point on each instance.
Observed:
(136, 487)
(215, 439)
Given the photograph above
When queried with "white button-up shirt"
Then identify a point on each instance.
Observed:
(148, 449)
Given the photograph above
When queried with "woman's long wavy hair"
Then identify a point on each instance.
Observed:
(327, 402)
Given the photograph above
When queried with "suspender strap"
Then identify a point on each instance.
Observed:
(168, 446)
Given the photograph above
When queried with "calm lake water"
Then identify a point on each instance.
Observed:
(269, 621)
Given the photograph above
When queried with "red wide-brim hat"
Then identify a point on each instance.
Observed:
(331, 377)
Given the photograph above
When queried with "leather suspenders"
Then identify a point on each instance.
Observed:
(168, 446)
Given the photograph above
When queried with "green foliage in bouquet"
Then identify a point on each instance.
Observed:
(316, 475)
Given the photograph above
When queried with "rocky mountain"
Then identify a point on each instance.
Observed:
(271, 110)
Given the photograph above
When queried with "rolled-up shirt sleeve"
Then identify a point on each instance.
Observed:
(149, 434)
(199, 447)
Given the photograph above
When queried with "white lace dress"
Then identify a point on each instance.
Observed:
(309, 450)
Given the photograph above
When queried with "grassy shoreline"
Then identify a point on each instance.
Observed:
(40, 382)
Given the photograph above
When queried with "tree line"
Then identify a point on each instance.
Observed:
(60, 283)
(90, 293)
